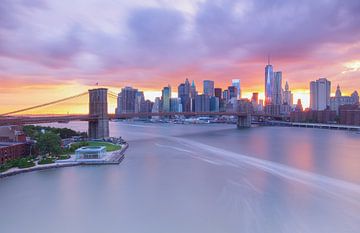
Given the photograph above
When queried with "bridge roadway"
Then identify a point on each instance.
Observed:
(24, 120)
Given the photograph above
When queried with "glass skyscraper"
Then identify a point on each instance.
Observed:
(236, 83)
(208, 88)
(166, 96)
(269, 76)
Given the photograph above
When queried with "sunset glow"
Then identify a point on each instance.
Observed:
(50, 49)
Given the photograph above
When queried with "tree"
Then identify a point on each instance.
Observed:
(49, 143)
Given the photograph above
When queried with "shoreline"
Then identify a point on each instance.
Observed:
(17, 171)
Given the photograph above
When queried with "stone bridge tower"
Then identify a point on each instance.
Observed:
(98, 107)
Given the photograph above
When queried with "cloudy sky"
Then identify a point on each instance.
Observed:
(51, 49)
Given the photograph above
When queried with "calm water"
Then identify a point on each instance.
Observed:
(197, 178)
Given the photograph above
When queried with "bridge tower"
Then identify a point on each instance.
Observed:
(244, 122)
(98, 108)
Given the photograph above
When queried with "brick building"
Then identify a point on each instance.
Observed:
(325, 116)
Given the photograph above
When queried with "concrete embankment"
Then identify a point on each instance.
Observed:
(116, 158)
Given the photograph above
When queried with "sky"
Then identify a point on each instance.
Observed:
(53, 49)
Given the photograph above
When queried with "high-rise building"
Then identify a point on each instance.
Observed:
(193, 91)
(226, 97)
(156, 106)
(202, 103)
(288, 96)
(165, 98)
(299, 107)
(126, 100)
(277, 88)
(175, 105)
(184, 95)
(320, 94)
(232, 92)
(214, 104)
(236, 83)
(208, 88)
(255, 98)
(139, 101)
(218, 93)
(269, 74)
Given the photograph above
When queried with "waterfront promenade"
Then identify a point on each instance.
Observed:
(112, 158)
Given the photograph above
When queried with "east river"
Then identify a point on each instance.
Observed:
(197, 178)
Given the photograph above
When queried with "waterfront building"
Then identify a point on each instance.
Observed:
(218, 93)
(13, 144)
(202, 103)
(13, 150)
(349, 114)
(340, 100)
(126, 100)
(320, 94)
(208, 88)
(165, 98)
(236, 83)
(90, 152)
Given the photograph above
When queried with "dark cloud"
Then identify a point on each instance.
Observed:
(285, 28)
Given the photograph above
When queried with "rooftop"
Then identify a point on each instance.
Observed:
(91, 148)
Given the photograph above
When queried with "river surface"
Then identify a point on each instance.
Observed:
(197, 178)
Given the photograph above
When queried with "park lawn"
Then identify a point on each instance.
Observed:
(109, 146)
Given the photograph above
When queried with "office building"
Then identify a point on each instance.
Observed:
(236, 83)
(208, 88)
(214, 104)
(184, 95)
(175, 105)
(277, 88)
(268, 83)
(202, 103)
(320, 94)
(126, 100)
(218, 93)
(233, 92)
(287, 95)
(165, 98)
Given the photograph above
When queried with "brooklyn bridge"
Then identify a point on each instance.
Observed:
(98, 116)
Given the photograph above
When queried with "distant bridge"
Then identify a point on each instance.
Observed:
(98, 116)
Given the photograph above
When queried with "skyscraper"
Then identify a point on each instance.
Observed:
(277, 88)
(208, 88)
(193, 91)
(232, 92)
(184, 95)
(269, 74)
(320, 94)
(218, 93)
(236, 83)
(165, 97)
(288, 96)
(202, 103)
(126, 100)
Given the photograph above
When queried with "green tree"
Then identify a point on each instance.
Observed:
(49, 143)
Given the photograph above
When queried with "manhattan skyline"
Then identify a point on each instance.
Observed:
(50, 50)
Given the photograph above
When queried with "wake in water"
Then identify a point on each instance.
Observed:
(336, 187)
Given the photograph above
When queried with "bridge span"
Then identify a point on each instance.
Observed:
(98, 117)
